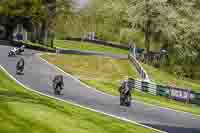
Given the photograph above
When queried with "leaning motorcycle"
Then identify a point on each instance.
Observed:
(11, 54)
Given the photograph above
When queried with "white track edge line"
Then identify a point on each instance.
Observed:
(76, 79)
(78, 105)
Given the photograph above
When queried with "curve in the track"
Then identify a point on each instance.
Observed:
(38, 76)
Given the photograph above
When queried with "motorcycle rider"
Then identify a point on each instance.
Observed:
(20, 66)
(125, 92)
(58, 84)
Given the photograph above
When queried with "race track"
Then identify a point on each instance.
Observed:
(38, 75)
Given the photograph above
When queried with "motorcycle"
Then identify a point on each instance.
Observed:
(12, 52)
(125, 93)
(125, 100)
(16, 51)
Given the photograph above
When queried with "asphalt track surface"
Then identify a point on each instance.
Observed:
(38, 75)
(85, 52)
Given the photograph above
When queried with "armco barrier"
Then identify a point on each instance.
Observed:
(175, 93)
(195, 97)
(162, 91)
(138, 67)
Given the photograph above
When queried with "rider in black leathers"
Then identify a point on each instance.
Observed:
(58, 84)
(125, 93)
(20, 66)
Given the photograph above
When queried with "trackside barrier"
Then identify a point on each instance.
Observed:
(138, 67)
(175, 93)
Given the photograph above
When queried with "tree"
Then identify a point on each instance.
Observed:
(110, 16)
(175, 22)
(105, 17)
(153, 17)
(41, 12)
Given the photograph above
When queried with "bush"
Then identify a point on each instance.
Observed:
(178, 71)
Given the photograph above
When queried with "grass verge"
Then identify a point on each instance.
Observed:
(169, 79)
(27, 112)
(105, 74)
(75, 45)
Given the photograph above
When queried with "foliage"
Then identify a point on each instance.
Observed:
(175, 24)
(106, 18)
(42, 12)
(32, 8)
(153, 18)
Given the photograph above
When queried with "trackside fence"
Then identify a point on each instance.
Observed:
(175, 93)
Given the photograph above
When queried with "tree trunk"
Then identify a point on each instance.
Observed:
(147, 37)
(44, 32)
(147, 28)
(52, 39)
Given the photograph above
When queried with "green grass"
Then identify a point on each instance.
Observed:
(162, 77)
(22, 111)
(105, 74)
(76, 45)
